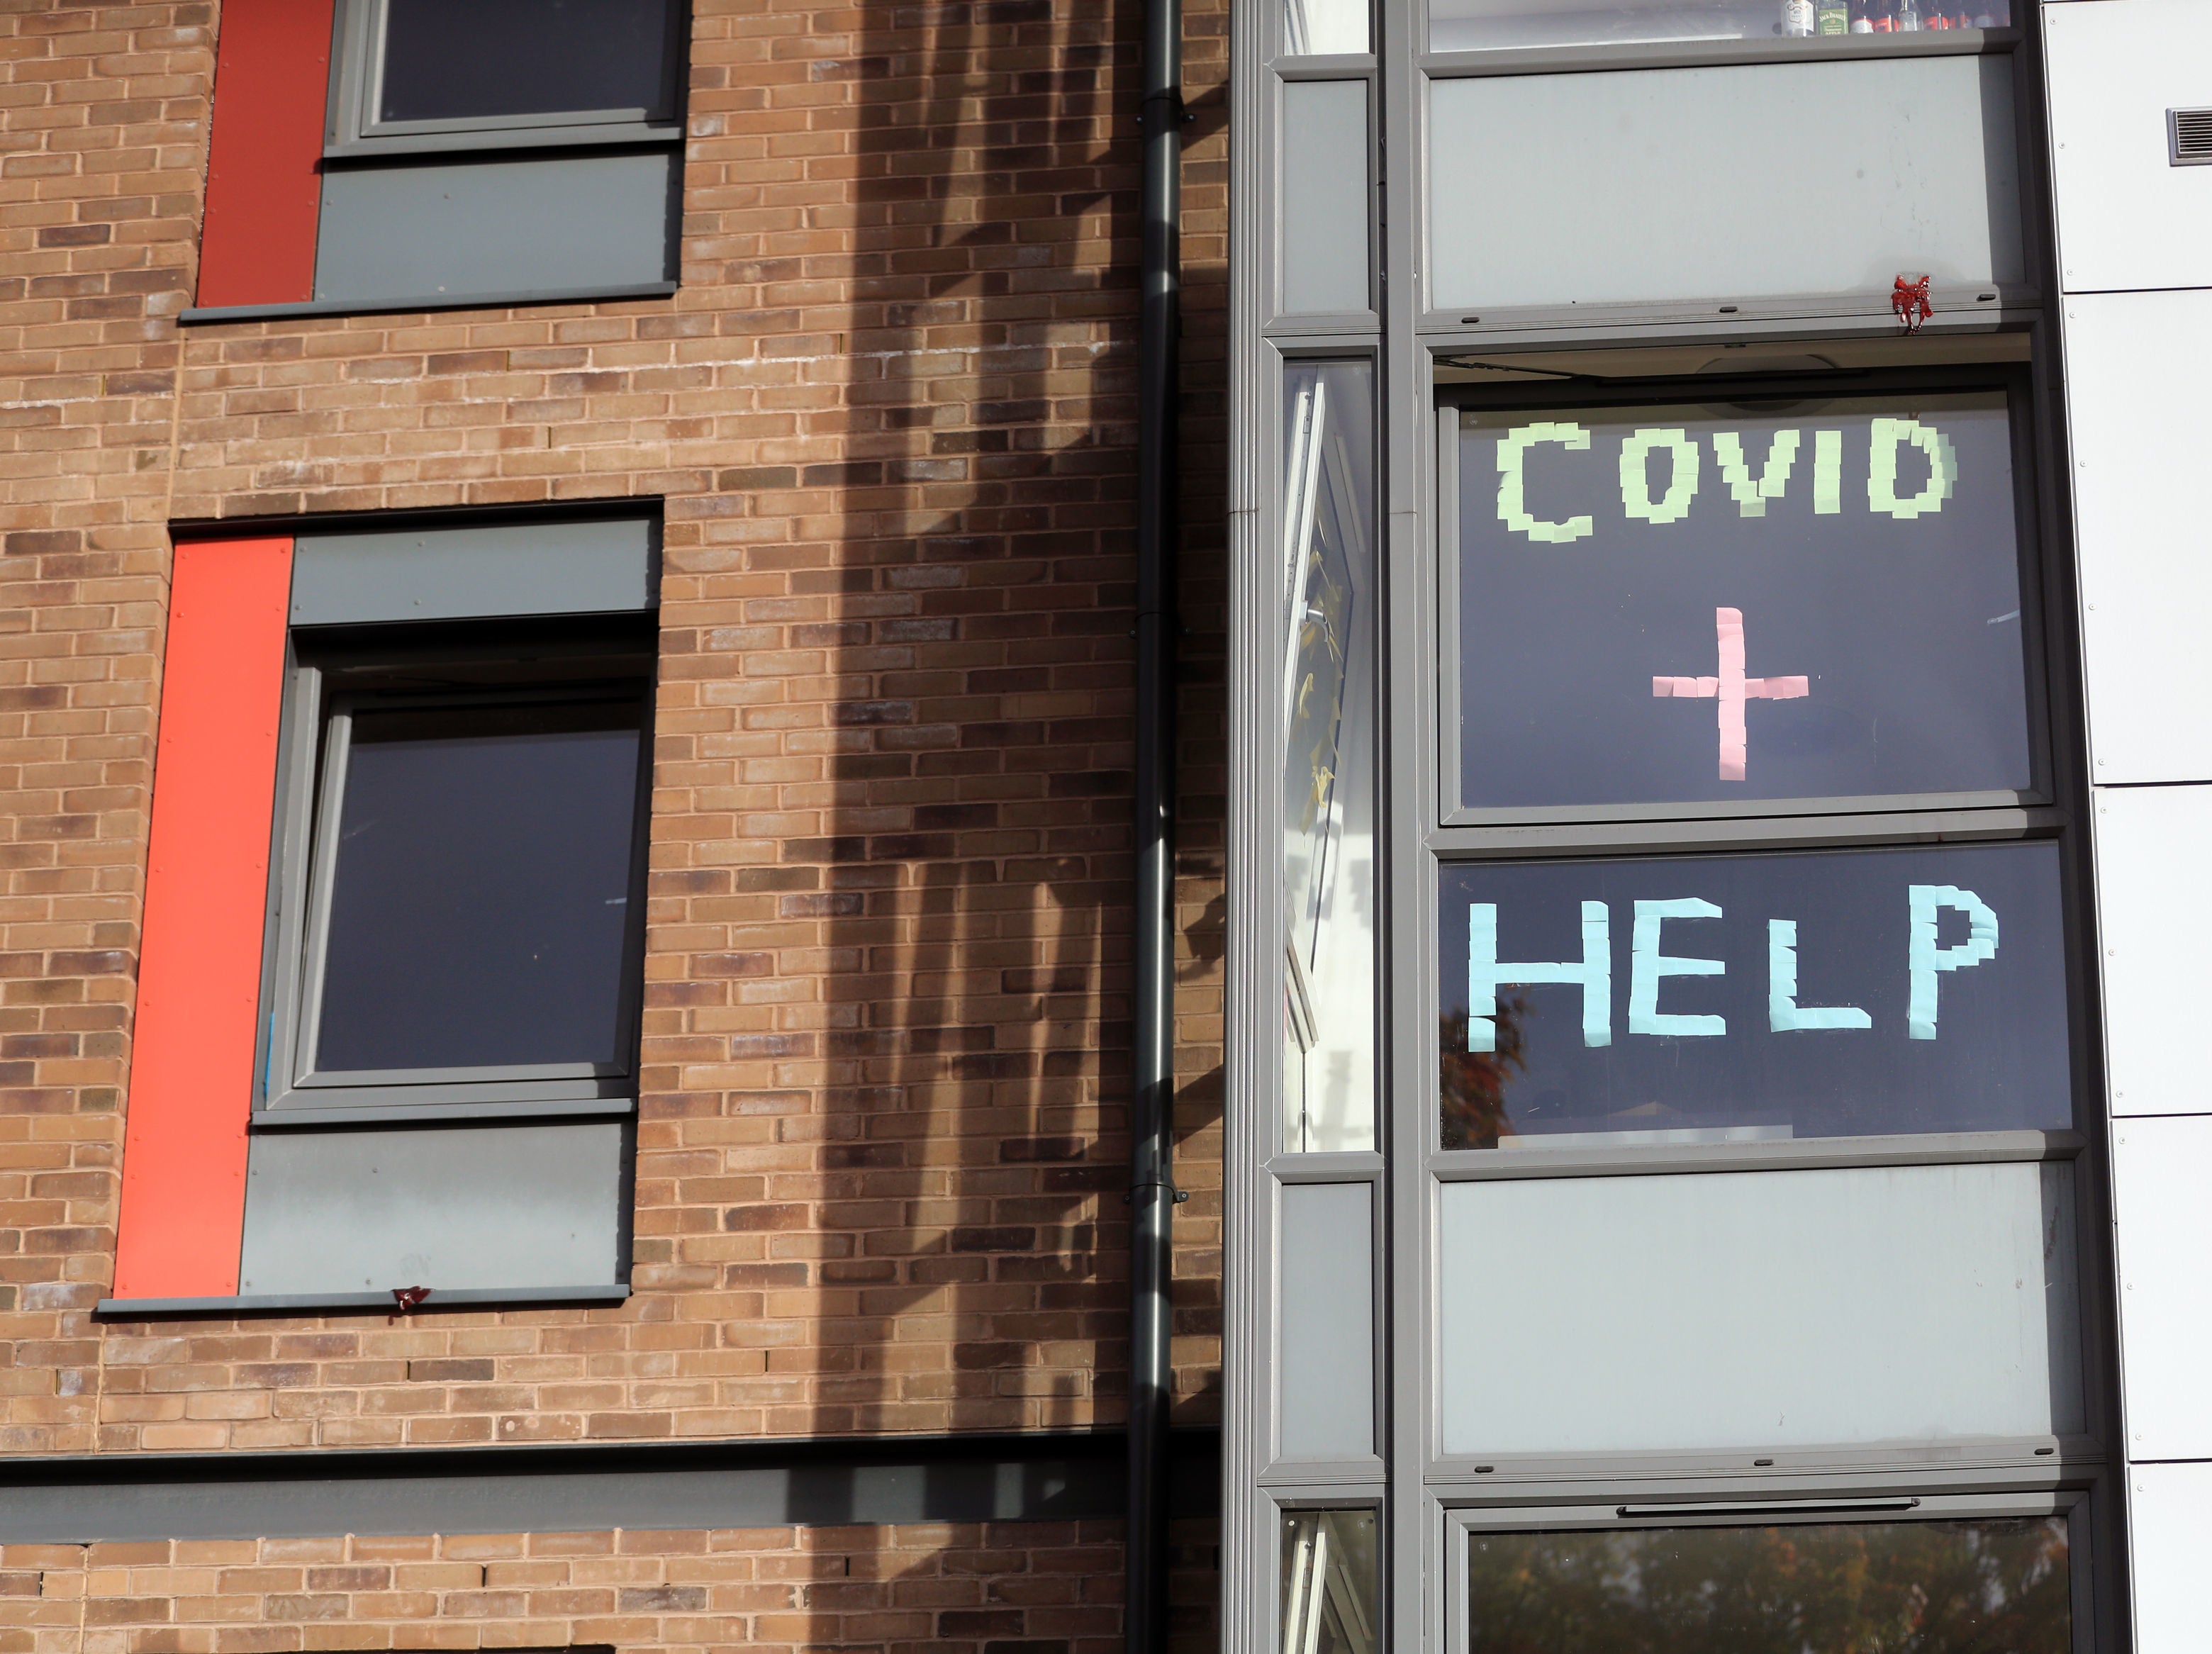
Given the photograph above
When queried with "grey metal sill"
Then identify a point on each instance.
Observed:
(1782, 1154)
(602, 1108)
(474, 1297)
(244, 312)
(493, 141)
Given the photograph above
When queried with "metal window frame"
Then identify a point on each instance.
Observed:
(352, 131)
(290, 1092)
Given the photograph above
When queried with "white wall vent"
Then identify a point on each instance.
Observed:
(2188, 136)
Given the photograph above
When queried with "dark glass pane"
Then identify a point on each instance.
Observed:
(481, 898)
(457, 59)
(1684, 604)
(1841, 993)
(1996, 1586)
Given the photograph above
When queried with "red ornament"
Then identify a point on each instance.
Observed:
(1910, 301)
(409, 1297)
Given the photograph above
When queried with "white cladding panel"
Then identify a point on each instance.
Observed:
(2170, 1537)
(1758, 1309)
(2155, 903)
(2161, 1171)
(2127, 216)
(2136, 364)
(1645, 186)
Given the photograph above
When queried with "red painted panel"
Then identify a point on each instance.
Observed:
(207, 886)
(271, 82)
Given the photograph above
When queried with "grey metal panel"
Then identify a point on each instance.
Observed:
(598, 566)
(1324, 195)
(1708, 1310)
(685, 1487)
(1763, 179)
(428, 228)
(500, 1207)
(1326, 1336)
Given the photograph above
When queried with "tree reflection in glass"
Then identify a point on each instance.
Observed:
(1994, 1586)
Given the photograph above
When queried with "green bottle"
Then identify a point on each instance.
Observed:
(1832, 17)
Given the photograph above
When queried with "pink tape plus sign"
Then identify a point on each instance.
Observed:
(1732, 688)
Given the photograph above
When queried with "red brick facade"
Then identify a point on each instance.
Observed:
(882, 1139)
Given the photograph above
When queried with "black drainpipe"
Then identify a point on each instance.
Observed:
(1151, 1188)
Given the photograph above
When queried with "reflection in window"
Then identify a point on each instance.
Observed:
(1717, 602)
(1314, 28)
(479, 879)
(1328, 1581)
(1328, 771)
(1492, 25)
(1931, 1587)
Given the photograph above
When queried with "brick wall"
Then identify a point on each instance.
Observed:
(881, 1145)
(1004, 1588)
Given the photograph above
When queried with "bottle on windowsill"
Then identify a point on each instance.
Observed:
(1797, 17)
(1908, 16)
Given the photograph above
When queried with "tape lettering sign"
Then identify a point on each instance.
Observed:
(1837, 580)
(1832, 992)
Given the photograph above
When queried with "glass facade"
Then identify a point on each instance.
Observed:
(1673, 956)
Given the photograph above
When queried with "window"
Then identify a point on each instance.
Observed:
(440, 64)
(1945, 1586)
(506, 70)
(1329, 1579)
(413, 761)
(1739, 599)
(467, 909)
(1492, 25)
(468, 152)
(1329, 591)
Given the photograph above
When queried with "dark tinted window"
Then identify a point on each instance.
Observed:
(480, 904)
(1930, 1587)
(1833, 995)
(1721, 602)
(459, 59)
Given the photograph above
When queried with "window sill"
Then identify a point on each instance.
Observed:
(591, 1108)
(471, 1298)
(246, 313)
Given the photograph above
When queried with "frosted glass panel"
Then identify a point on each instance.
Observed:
(1324, 197)
(1774, 1309)
(1724, 182)
(1327, 1345)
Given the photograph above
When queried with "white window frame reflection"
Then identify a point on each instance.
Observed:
(1326, 29)
(1320, 1602)
(1328, 888)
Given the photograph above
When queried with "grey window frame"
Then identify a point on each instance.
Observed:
(290, 1092)
(353, 132)
(2013, 382)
